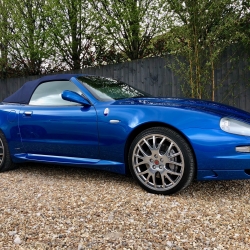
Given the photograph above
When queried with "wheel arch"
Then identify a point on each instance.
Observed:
(145, 126)
(2, 131)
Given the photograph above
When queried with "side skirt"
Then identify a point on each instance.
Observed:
(112, 166)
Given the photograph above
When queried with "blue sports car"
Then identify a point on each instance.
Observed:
(101, 123)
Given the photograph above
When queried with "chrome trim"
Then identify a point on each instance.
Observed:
(114, 121)
(243, 149)
(28, 112)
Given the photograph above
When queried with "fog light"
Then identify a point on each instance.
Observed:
(244, 149)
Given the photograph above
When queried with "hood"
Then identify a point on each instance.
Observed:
(190, 104)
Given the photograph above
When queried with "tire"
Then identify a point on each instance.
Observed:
(5, 159)
(161, 161)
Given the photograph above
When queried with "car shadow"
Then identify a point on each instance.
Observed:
(217, 190)
(70, 172)
(212, 189)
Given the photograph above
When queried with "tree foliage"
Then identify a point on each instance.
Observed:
(202, 30)
(71, 28)
(130, 25)
(28, 49)
(44, 36)
(3, 38)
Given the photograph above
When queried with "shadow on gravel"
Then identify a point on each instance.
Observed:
(216, 190)
(68, 172)
(213, 189)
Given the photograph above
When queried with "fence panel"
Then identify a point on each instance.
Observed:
(151, 75)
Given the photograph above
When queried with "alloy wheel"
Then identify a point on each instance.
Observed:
(1, 152)
(158, 162)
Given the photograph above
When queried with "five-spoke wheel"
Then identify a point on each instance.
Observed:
(161, 161)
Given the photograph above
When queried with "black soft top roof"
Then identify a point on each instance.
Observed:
(24, 94)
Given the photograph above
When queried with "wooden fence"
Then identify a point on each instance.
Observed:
(152, 76)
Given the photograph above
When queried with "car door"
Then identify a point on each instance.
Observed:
(52, 126)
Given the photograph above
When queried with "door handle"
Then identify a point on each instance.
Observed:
(28, 113)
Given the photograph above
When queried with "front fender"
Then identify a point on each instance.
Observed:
(113, 136)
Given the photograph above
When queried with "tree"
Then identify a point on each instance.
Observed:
(28, 48)
(202, 30)
(130, 25)
(3, 38)
(71, 28)
(245, 23)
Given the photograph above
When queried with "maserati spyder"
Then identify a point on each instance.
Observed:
(101, 123)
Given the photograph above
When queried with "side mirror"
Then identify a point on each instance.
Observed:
(72, 96)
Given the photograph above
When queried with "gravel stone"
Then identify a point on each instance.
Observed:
(17, 240)
(57, 207)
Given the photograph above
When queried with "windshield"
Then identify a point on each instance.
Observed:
(106, 89)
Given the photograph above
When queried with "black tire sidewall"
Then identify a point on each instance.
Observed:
(7, 163)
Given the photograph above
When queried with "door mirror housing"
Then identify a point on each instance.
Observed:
(72, 96)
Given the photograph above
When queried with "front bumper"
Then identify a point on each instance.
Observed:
(219, 155)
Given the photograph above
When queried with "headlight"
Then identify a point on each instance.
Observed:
(234, 127)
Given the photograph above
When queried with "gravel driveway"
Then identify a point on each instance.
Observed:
(55, 207)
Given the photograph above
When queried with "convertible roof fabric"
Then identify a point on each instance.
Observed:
(24, 94)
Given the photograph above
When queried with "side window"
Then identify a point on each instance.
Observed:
(49, 93)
